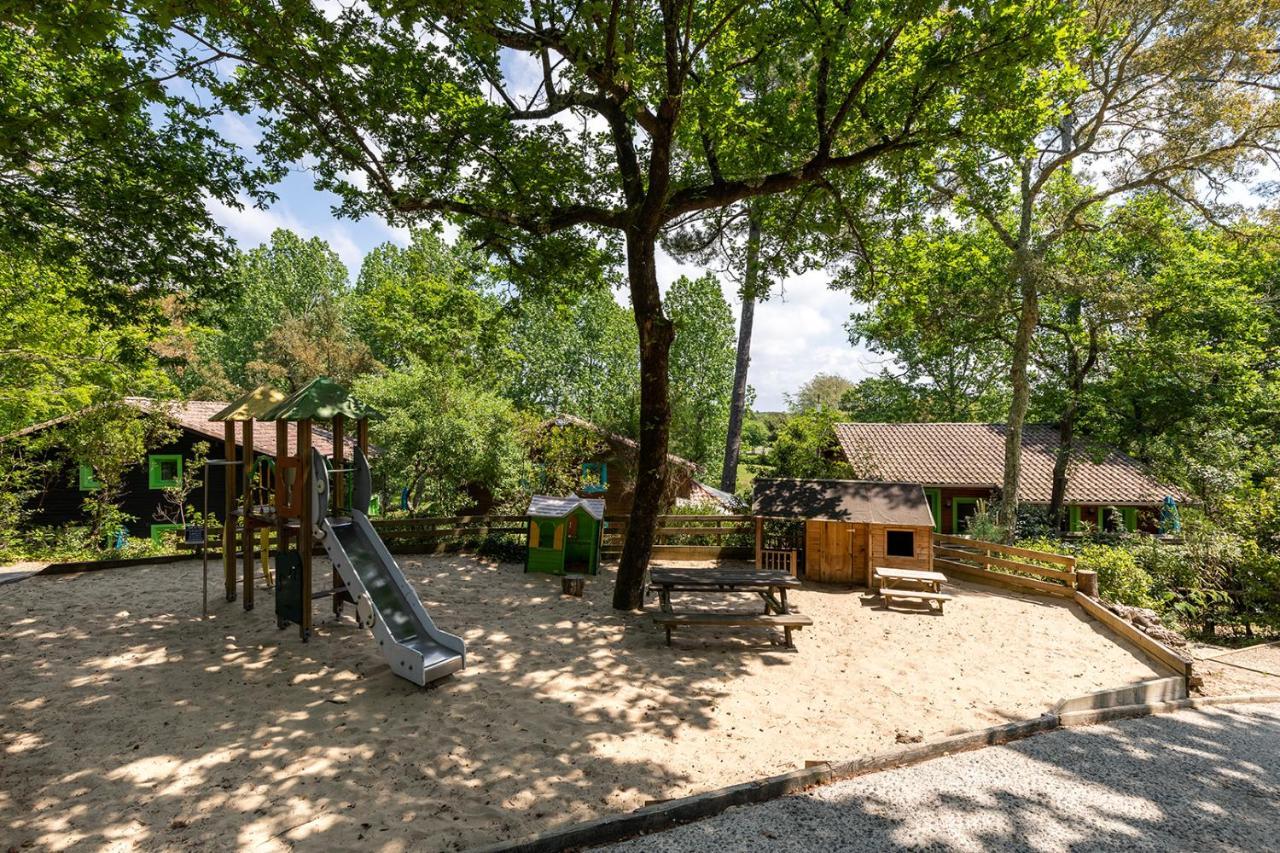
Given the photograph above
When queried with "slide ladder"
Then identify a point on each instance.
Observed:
(413, 646)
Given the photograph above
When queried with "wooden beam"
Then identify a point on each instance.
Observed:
(1060, 559)
(305, 534)
(228, 508)
(1001, 579)
(246, 443)
(339, 496)
(1148, 644)
(956, 554)
(759, 525)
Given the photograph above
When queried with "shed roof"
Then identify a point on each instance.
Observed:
(321, 399)
(251, 406)
(545, 506)
(857, 501)
(969, 454)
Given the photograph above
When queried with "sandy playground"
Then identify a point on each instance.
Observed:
(127, 723)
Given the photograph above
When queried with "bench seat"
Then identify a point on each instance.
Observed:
(788, 622)
(923, 595)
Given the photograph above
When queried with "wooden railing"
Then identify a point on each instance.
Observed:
(449, 533)
(689, 537)
(992, 561)
(778, 561)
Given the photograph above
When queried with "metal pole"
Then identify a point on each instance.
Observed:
(204, 545)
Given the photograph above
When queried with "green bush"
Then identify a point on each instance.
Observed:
(1120, 578)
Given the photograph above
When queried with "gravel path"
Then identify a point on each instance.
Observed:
(1195, 780)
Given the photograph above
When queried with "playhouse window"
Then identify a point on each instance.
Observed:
(900, 543)
(595, 476)
(546, 534)
(164, 470)
(163, 533)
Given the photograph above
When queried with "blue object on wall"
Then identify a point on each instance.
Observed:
(1170, 520)
(404, 498)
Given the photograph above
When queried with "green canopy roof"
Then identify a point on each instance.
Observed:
(321, 399)
(251, 406)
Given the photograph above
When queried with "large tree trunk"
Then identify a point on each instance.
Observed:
(1066, 437)
(738, 403)
(1020, 383)
(656, 334)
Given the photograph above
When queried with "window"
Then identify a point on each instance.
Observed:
(900, 543)
(546, 534)
(164, 470)
(161, 534)
(87, 482)
(961, 510)
(595, 477)
(935, 506)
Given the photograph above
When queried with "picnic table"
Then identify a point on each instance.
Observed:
(911, 583)
(771, 586)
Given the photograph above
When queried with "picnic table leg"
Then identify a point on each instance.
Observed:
(668, 635)
(787, 632)
(782, 592)
(664, 603)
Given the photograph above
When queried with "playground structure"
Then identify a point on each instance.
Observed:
(303, 498)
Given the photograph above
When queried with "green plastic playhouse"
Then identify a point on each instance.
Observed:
(564, 535)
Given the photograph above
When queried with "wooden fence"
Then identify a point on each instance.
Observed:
(449, 533)
(1004, 564)
(689, 537)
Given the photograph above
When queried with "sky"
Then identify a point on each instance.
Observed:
(798, 332)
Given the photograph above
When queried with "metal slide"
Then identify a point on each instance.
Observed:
(414, 647)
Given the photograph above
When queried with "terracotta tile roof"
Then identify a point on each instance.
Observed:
(194, 415)
(962, 454)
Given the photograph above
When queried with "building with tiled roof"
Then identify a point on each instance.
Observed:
(61, 501)
(962, 463)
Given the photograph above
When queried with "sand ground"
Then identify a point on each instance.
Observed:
(128, 723)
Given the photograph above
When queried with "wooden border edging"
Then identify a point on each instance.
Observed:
(1124, 712)
(666, 815)
(97, 565)
(1148, 644)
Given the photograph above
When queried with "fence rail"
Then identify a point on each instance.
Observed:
(991, 561)
(689, 537)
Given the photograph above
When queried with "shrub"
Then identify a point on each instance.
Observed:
(1120, 578)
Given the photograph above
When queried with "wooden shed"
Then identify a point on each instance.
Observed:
(851, 526)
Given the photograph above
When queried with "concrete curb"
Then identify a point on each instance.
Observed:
(662, 816)
(1071, 719)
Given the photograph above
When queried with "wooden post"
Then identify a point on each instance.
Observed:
(362, 435)
(870, 576)
(228, 510)
(279, 486)
(1087, 582)
(247, 534)
(759, 520)
(339, 493)
(305, 535)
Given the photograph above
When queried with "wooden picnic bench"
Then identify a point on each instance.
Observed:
(894, 584)
(771, 586)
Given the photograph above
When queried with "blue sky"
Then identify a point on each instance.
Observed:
(798, 332)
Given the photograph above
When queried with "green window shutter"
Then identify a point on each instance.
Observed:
(87, 482)
(1074, 516)
(935, 506)
(598, 472)
(1130, 518)
(164, 470)
(956, 503)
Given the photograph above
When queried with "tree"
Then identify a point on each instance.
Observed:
(806, 447)
(823, 391)
(1176, 96)
(430, 301)
(105, 166)
(278, 284)
(575, 353)
(442, 437)
(702, 369)
(637, 121)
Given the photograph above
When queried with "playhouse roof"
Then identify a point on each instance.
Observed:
(321, 399)
(857, 501)
(251, 406)
(545, 506)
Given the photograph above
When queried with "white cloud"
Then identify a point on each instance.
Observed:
(251, 226)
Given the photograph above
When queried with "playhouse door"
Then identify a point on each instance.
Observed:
(828, 556)
(580, 543)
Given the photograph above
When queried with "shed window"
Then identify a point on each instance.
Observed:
(900, 543)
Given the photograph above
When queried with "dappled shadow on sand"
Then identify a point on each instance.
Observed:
(1193, 781)
(126, 719)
